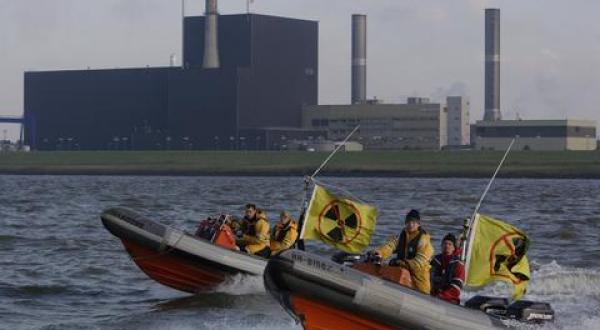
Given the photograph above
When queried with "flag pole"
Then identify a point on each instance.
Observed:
(337, 148)
(308, 180)
(468, 224)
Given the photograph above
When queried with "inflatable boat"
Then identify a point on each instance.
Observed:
(323, 294)
(178, 259)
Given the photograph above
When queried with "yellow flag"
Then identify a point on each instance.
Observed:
(496, 252)
(343, 223)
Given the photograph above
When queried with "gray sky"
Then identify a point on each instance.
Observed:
(550, 49)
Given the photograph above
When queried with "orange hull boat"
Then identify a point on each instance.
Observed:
(177, 259)
(318, 316)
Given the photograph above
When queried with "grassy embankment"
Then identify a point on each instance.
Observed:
(405, 163)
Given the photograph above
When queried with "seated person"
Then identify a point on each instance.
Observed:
(207, 228)
(448, 272)
(255, 232)
(284, 234)
(413, 251)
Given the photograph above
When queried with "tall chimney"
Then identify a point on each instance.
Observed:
(492, 65)
(359, 58)
(211, 38)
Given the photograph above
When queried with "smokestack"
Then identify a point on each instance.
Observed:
(211, 38)
(492, 65)
(359, 58)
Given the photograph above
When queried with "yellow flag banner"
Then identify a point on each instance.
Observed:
(343, 223)
(496, 252)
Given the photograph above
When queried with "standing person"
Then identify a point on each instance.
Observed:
(413, 251)
(284, 234)
(448, 272)
(255, 232)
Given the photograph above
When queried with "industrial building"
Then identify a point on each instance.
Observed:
(248, 72)
(541, 135)
(493, 133)
(458, 121)
(416, 125)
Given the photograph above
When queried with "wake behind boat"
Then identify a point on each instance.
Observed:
(176, 258)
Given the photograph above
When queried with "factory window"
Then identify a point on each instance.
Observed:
(324, 122)
(316, 122)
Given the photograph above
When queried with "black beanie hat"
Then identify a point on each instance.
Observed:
(413, 215)
(451, 238)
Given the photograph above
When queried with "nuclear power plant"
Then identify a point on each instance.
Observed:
(250, 81)
(243, 83)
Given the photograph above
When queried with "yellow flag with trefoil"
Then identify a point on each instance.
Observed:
(343, 223)
(497, 252)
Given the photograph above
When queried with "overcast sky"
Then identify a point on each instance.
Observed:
(550, 49)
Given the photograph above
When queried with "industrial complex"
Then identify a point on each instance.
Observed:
(493, 133)
(250, 82)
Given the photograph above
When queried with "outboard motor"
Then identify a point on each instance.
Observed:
(521, 310)
(490, 305)
(530, 311)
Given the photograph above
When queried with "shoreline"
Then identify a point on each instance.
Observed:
(408, 164)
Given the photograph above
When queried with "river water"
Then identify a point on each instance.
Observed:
(60, 269)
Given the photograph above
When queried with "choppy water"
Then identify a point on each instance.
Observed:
(60, 269)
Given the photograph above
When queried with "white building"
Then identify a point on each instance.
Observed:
(458, 121)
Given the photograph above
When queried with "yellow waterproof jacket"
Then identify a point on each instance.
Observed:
(256, 234)
(283, 236)
(419, 265)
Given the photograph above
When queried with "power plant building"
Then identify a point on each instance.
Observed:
(539, 135)
(416, 125)
(493, 133)
(263, 73)
(458, 121)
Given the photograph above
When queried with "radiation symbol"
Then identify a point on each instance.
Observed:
(340, 221)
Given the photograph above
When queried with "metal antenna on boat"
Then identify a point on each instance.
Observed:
(467, 227)
(308, 180)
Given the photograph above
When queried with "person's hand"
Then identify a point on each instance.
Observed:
(398, 263)
(374, 257)
(403, 264)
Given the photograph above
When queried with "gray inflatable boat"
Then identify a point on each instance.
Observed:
(322, 294)
(176, 258)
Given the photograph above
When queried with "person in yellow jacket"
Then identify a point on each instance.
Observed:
(413, 251)
(284, 234)
(255, 232)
